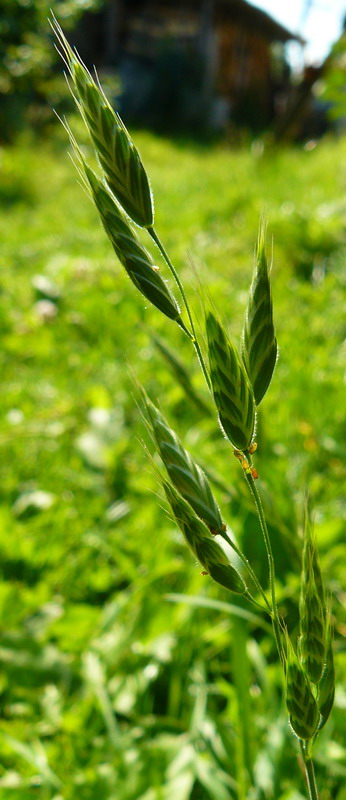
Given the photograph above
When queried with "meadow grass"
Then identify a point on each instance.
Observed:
(119, 673)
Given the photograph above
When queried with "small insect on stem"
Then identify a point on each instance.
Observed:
(238, 454)
(253, 448)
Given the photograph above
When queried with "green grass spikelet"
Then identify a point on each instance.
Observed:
(231, 388)
(187, 477)
(259, 346)
(131, 253)
(301, 704)
(205, 548)
(312, 611)
(115, 150)
(326, 688)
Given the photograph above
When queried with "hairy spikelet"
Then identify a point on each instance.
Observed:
(312, 611)
(301, 704)
(200, 541)
(117, 155)
(231, 388)
(327, 683)
(185, 474)
(259, 346)
(133, 256)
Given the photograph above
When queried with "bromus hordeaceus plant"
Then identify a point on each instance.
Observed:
(237, 382)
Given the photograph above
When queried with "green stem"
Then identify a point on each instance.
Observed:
(249, 569)
(165, 255)
(275, 614)
(309, 770)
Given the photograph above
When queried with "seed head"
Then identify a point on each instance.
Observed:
(312, 611)
(117, 155)
(259, 346)
(231, 388)
(327, 683)
(200, 541)
(133, 256)
(301, 704)
(187, 477)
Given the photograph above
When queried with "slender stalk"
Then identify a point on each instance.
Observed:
(248, 567)
(254, 602)
(165, 255)
(275, 614)
(258, 502)
(309, 770)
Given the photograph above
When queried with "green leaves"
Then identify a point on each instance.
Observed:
(231, 388)
(116, 153)
(259, 346)
(200, 541)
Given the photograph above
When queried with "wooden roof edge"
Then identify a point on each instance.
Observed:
(274, 28)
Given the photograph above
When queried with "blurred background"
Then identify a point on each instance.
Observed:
(125, 673)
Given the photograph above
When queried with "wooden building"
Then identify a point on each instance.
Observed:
(197, 62)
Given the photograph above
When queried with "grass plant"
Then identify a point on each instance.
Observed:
(237, 382)
(124, 672)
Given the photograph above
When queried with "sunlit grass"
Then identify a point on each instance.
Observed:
(88, 555)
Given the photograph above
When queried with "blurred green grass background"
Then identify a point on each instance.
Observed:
(116, 682)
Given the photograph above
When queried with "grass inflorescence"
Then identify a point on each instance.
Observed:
(238, 381)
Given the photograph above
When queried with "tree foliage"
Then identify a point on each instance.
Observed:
(27, 58)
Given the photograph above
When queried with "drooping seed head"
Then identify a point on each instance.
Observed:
(231, 388)
(187, 477)
(312, 611)
(205, 548)
(133, 256)
(259, 346)
(117, 155)
(301, 704)
(326, 687)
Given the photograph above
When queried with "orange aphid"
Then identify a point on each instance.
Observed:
(254, 473)
(253, 447)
